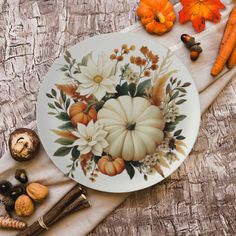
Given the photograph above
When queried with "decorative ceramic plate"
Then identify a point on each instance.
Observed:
(118, 113)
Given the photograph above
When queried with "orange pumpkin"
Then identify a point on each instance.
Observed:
(108, 166)
(80, 112)
(157, 16)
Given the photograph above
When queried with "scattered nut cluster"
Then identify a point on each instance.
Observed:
(21, 198)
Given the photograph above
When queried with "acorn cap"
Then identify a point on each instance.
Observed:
(24, 144)
(190, 43)
(196, 48)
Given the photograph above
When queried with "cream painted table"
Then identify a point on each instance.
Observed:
(199, 198)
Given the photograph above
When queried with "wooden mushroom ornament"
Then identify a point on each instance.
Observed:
(24, 144)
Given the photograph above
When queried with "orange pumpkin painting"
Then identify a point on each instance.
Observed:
(81, 113)
(108, 166)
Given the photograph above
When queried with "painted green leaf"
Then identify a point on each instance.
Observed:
(179, 118)
(49, 95)
(180, 137)
(52, 113)
(178, 132)
(67, 103)
(63, 69)
(142, 87)
(174, 81)
(169, 128)
(51, 106)
(64, 141)
(67, 59)
(122, 89)
(54, 92)
(67, 53)
(175, 95)
(63, 96)
(136, 163)
(67, 125)
(86, 58)
(130, 169)
(62, 151)
(63, 116)
(58, 105)
(181, 90)
(96, 159)
(75, 152)
(167, 88)
(182, 95)
(186, 84)
(132, 89)
(181, 101)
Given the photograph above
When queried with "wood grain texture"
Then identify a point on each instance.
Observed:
(199, 198)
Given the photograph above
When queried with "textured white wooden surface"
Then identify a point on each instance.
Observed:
(199, 198)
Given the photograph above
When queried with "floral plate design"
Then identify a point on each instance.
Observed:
(118, 113)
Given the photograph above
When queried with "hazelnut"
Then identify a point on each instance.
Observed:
(24, 206)
(24, 144)
(37, 192)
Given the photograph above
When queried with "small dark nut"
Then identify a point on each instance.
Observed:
(9, 203)
(17, 191)
(5, 187)
(24, 144)
(21, 176)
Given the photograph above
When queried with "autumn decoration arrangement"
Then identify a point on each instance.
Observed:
(118, 114)
(21, 199)
(158, 17)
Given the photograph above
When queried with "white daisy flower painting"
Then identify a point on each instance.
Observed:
(97, 78)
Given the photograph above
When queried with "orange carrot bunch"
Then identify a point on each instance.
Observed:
(227, 51)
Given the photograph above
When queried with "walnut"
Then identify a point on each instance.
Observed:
(37, 192)
(24, 206)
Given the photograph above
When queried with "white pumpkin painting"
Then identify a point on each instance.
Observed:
(134, 127)
(118, 113)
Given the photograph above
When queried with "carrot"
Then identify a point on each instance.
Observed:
(230, 23)
(227, 44)
(232, 59)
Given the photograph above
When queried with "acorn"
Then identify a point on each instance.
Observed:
(195, 49)
(17, 191)
(24, 144)
(21, 175)
(5, 187)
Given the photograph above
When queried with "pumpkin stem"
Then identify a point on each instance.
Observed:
(131, 126)
(159, 17)
(86, 110)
